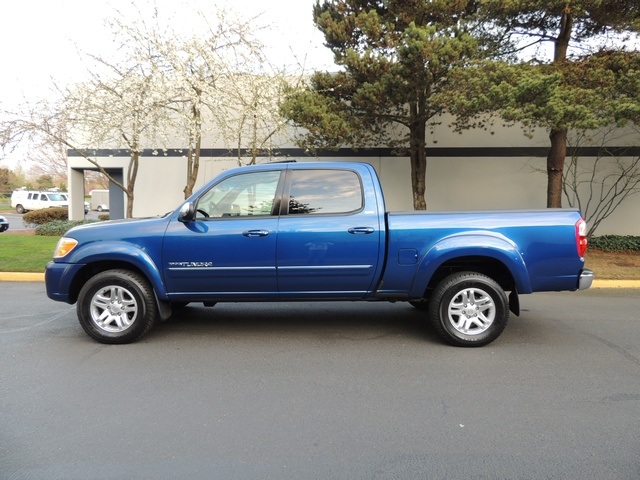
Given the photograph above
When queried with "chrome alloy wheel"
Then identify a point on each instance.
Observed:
(113, 309)
(471, 311)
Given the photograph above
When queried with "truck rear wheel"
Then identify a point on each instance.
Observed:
(469, 309)
(117, 306)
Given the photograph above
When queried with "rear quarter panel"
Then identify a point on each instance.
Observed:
(538, 247)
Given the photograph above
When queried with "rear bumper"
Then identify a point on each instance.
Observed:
(586, 279)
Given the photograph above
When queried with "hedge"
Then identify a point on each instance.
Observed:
(615, 243)
(58, 228)
(45, 215)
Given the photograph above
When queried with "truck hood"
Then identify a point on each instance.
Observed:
(119, 229)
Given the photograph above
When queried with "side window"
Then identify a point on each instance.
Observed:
(242, 195)
(324, 192)
(43, 197)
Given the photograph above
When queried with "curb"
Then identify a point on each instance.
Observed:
(21, 277)
(616, 284)
(39, 277)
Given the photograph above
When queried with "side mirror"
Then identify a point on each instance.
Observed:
(187, 212)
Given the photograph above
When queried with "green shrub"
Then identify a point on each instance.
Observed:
(615, 243)
(58, 228)
(45, 215)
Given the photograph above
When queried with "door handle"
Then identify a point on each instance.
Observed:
(255, 233)
(361, 230)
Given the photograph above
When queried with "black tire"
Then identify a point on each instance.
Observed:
(117, 306)
(4, 228)
(469, 309)
(20, 209)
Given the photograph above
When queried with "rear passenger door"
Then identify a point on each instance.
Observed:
(328, 243)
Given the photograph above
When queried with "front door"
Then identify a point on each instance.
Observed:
(229, 250)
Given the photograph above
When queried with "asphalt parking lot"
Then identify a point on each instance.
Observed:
(319, 390)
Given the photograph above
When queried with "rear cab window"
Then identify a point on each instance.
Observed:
(324, 192)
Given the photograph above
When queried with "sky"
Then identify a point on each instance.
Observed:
(40, 39)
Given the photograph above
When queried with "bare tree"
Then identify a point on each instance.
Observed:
(217, 89)
(597, 187)
(49, 159)
(254, 126)
(120, 106)
(163, 86)
(122, 111)
(202, 68)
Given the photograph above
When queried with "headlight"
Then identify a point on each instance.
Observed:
(64, 246)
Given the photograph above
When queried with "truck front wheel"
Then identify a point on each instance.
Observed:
(117, 306)
(469, 309)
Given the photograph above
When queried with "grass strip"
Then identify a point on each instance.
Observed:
(25, 253)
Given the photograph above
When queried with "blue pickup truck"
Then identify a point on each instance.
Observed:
(314, 232)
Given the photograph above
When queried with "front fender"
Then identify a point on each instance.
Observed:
(117, 251)
(471, 244)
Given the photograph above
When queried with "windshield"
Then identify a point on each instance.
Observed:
(56, 197)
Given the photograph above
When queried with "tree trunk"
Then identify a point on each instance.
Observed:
(562, 41)
(193, 166)
(193, 158)
(131, 180)
(555, 167)
(418, 174)
(418, 155)
(558, 135)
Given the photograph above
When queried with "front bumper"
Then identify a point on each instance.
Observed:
(58, 278)
(586, 279)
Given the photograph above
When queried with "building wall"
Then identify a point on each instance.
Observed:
(475, 181)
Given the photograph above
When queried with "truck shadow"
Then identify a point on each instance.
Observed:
(348, 320)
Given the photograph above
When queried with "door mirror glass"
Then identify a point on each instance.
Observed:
(187, 212)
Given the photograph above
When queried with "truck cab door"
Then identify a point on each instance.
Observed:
(328, 238)
(228, 251)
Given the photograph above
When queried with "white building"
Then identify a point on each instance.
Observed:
(475, 170)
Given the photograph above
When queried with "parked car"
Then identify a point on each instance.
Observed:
(315, 231)
(4, 224)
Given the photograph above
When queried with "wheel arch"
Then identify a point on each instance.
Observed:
(97, 258)
(493, 256)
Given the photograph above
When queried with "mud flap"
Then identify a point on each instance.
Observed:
(164, 308)
(514, 303)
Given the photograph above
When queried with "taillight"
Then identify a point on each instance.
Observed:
(581, 237)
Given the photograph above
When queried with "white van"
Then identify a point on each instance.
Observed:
(86, 204)
(25, 200)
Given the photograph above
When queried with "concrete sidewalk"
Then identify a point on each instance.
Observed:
(39, 277)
